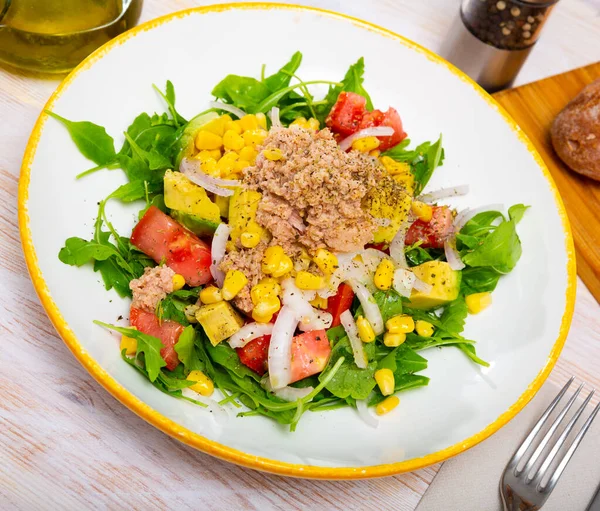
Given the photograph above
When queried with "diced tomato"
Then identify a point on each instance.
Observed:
(310, 352)
(382, 247)
(255, 354)
(432, 234)
(390, 118)
(346, 114)
(167, 331)
(163, 239)
(340, 303)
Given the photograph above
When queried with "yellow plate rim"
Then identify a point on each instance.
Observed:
(214, 448)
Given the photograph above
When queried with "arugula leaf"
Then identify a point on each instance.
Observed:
(153, 158)
(349, 380)
(469, 350)
(242, 91)
(227, 357)
(282, 78)
(416, 255)
(78, 252)
(174, 304)
(389, 303)
(401, 383)
(91, 140)
(516, 212)
(454, 316)
(479, 280)
(403, 360)
(186, 350)
(148, 345)
(169, 98)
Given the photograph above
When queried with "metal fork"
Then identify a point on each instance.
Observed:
(526, 488)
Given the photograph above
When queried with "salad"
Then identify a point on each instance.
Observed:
(285, 251)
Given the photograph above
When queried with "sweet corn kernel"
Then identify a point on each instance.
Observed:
(178, 282)
(207, 140)
(232, 141)
(217, 126)
(326, 261)
(312, 124)
(366, 144)
(266, 288)
(286, 265)
(422, 211)
(375, 153)
(393, 340)
(204, 155)
(385, 381)
(272, 258)
(365, 330)
(300, 121)
(234, 126)
(319, 303)
(478, 302)
(263, 311)
(262, 120)
(210, 294)
(424, 328)
(273, 154)
(203, 386)
(249, 154)
(254, 138)
(249, 122)
(309, 281)
(387, 405)
(234, 282)
(129, 344)
(249, 239)
(401, 324)
(210, 167)
(226, 164)
(395, 167)
(384, 275)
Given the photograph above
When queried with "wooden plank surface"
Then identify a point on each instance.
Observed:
(534, 106)
(66, 443)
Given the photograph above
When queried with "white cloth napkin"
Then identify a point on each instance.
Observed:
(470, 481)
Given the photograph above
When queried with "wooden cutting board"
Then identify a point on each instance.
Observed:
(534, 106)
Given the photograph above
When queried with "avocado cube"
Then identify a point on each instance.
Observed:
(219, 320)
(186, 197)
(444, 282)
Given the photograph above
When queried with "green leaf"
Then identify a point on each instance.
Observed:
(479, 280)
(389, 303)
(153, 158)
(282, 78)
(417, 255)
(241, 91)
(454, 316)
(141, 123)
(227, 357)
(186, 350)
(174, 304)
(349, 380)
(272, 100)
(433, 159)
(91, 140)
(401, 383)
(169, 98)
(113, 276)
(148, 345)
(516, 212)
(78, 252)
(469, 350)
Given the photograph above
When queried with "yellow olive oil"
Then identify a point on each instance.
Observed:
(55, 35)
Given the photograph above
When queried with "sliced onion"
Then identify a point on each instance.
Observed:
(287, 393)
(466, 214)
(280, 348)
(360, 357)
(321, 320)
(370, 307)
(397, 245)
(217, 252)
(228, 108)
(404, 281)
(444, 193)
(363, 411)
(371, 258)
(421, 286)
(296, 221)
(274, 115)
(191, 169)
(452, 255)
(379, 131)
(248, 333)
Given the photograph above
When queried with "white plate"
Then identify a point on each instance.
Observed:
(521, 334)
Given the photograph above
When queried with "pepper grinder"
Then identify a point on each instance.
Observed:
(491, 39)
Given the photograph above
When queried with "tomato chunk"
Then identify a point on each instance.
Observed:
(340, 303)
(432, 234)
(310, 353)
(163, 239)
(390, 118)
(347, 113)
(167, 331)
(255, 354)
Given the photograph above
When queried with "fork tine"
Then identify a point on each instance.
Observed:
(561, 416)
(567, 457)
(540, 472)
(535, 430)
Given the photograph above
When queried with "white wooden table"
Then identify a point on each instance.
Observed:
(66, 443)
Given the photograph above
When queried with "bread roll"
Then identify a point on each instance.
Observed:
(576, 132)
